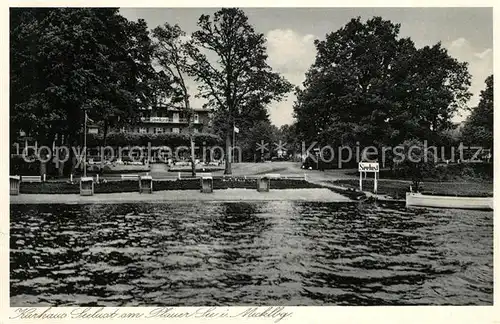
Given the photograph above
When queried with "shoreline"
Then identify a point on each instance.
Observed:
(221, 195)
(397, 189)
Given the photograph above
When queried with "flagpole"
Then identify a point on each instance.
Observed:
(85, 146)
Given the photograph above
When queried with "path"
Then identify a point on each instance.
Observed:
(319, 194)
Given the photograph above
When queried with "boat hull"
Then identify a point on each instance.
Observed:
(420, 200)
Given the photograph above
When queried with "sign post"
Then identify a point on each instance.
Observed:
(368, 167)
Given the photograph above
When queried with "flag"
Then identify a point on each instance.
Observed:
(236, 129)
(87, 119)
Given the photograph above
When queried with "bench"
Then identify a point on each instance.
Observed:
(294, 177)
(130, 177)
(203, 175)
(273, 176)
(31, 178)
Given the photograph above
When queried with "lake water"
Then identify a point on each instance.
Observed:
(267, 253)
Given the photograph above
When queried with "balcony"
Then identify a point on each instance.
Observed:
(168, 120)
(156, 119)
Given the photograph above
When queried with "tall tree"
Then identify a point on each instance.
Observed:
(170, 52)
(478, 128)
(65, 61)
(246, 117)
(368, 85)
(289, 136)
(240, 75)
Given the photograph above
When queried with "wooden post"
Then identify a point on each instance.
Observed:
(360, 181)
(375, 183)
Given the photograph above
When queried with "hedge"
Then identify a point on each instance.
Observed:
(160, 185)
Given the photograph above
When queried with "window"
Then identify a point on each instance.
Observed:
(143, 130)
(196, 118)
(175, 130)
(176, 117)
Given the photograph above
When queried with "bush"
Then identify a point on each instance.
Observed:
(50, 188)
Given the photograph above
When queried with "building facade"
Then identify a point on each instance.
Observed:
(159, 120)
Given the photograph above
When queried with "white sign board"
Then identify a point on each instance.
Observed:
(365, 167)
(368, 167)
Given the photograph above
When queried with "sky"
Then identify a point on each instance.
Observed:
(467, 33)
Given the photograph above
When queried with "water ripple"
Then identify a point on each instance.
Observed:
(280, 253)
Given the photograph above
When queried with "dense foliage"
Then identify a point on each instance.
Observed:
(371, 86)
(478, 128)
(240, 80)
(67, 60)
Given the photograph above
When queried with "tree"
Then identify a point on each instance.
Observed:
(240, 76)
(415, 161)
(288, 134)
(369, 86)
(171, 55)
(68, 61)
(478, 128)
(250, 139)
(246, 117)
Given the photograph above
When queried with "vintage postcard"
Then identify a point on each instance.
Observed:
(234, 163)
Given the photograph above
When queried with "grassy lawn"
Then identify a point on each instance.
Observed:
(397, 188)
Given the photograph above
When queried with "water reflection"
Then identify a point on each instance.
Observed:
(280, 253)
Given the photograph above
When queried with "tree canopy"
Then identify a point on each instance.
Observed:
(239, 79)
(478, 128)
(371, 86)
(67, 60)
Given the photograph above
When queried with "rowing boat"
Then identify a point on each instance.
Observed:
(414, 199)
